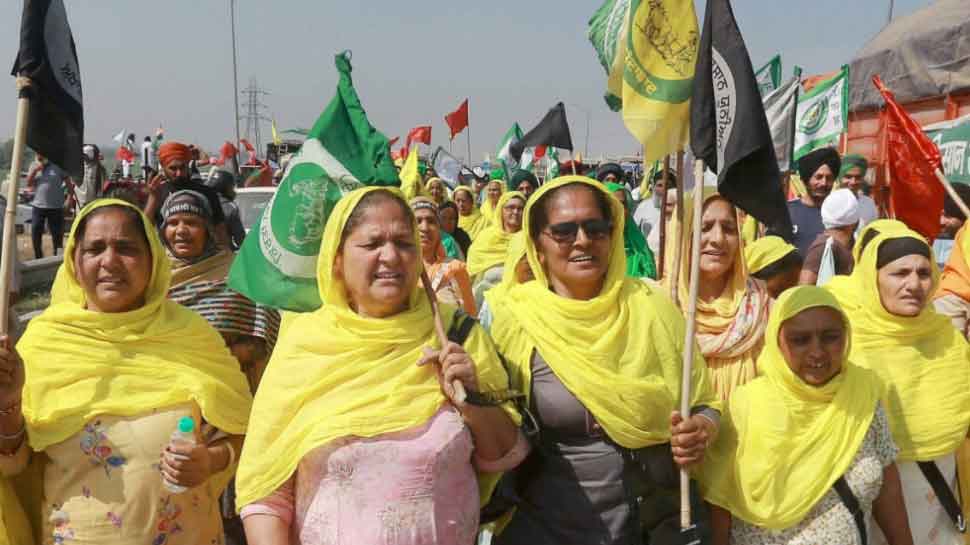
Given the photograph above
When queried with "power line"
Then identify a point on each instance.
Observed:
(254, 112)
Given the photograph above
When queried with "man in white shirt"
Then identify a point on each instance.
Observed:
(853, 174)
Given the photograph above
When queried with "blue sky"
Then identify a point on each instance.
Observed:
(145, 63)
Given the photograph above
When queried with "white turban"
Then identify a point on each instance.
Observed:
(841, 208)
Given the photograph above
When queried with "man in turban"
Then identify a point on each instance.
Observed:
(853, 175)
(817, 170)
(176, 175)
(610, 173)
(524, 182)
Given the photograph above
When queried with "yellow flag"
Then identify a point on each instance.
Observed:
(276, 135)
(659, 51)
(411, 183)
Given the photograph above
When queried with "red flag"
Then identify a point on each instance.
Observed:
(252, 160)
(419, 134)
(916, 195)
(226, 152)
(458, 120)
(540, 152)
(124, 154)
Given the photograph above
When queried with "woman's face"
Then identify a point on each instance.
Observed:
(186, 235)
(494, 192)
(576, 263)
(512, 215)
(813, 343)
(464, 202)
(437, 191)
(719, 239)
(378, 261)
(449, 219)
(428, 231)
(905, 285)
(113, 263)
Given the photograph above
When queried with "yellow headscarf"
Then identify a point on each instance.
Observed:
(335, 373)
(766, 251)
(620, 353)
(81, 363)
(730, 329)
(490, 212)
(783, 442)
(513, 255)
(490, 247)
(842, 286)
(444, 190)
(473, 223)
(922, 360)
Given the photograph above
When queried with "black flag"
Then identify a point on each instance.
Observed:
(728, 127)
(47, 56)
(553, 131)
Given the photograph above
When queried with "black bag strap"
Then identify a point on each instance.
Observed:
(944, 494)
(458, 332)
(461, 327)
(852, 504)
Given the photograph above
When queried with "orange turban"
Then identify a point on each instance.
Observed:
(171, 151)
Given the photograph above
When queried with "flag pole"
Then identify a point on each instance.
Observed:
(663, 225)
(468, 142)
(953, 194)
(439, 329)
(689, 342)
(679, 225)
(572, 160)
(7, 258)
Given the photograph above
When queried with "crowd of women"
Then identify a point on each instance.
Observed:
(548, 415)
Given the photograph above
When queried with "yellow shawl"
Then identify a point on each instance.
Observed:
(473, 223)
(765, 251)
(492, 212)
(730, 329)
(620, 353)
(842, 286)
(337, 374)
(783, 442)
(127, 363)
(490, 247)
(922, 360)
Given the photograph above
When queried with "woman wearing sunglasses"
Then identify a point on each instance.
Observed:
(598, 356)
(732, 307)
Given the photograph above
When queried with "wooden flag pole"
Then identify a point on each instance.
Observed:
(679, 226)
(468, 142)
(663, 224)
(8, 257)
(439, 329)
(953, 194)
(572, 160)
(695, 250)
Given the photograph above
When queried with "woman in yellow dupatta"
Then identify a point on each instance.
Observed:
(841, 285)
(490, 206)
(811, 418)
(356, 409)
(111, 369)
(598, 355)
(436, 189)
(922, 360)
(470, 218)
(732, 307)
(488, 252)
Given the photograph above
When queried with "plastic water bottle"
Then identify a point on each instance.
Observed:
(184, 434)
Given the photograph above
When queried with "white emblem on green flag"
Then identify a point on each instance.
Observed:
(822, 114)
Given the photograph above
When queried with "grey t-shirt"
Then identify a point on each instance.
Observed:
(49, 187)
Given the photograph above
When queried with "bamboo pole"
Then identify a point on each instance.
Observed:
(663, 221)
(695, 249)
(679, 224)
(8, 257)
(572, 160)
(953, 194)
(439, 329)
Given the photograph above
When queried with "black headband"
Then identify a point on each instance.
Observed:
(895, 248)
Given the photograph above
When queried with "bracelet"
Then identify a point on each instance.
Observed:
(18, 434)
(232, 454)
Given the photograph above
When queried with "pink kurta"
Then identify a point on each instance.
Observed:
(417, 486)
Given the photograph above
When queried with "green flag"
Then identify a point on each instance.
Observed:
(504, 156)
(552, 163)
(822, 114)
(277, 263)
(769, 76)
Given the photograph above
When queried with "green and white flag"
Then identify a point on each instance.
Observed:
(769, 76)
(277, 263)
(552, 163)
(503, 155)
(822, 114)
(607, 32)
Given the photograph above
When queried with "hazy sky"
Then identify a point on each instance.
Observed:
(144, 62)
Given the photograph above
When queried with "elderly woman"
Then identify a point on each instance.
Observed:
(470, 218)
(775, 262)
(448, 221)
(435, 187)
(449, 277)
(732, 307)
(493, 192)
(639, 258)
(805, 454)
(361, 437)
(129, 366)
(487, 254)
(923, 362)
(200, 268)
(598, 355)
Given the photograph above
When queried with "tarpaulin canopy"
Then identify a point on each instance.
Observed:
(925, 54)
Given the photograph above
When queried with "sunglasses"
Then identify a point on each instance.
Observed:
(568, 230)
